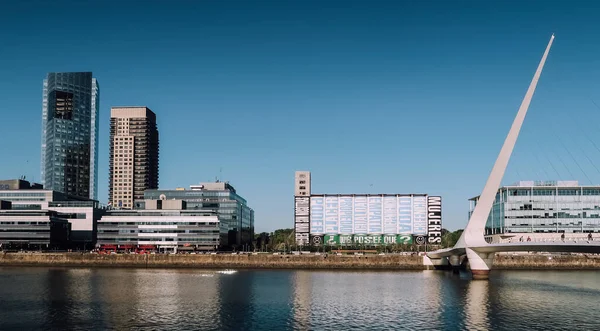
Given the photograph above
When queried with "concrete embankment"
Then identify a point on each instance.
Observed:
(267, 261)
(546, 262)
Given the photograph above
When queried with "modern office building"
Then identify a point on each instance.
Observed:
(164, 226)
(81, 213)
(70, 113)
(221, 198)
(32, 229)
(542, 208)
(18, 184)
(364, 219)
(133, 163)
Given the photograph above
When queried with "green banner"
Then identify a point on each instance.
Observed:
(364, 239)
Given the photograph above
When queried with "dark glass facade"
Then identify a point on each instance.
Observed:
(69, 133)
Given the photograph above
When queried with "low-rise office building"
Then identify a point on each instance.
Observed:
(82, 213)
(164, 226)
(543, 209)
(220, 198)
(32, 229)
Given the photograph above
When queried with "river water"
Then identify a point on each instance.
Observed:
(186, 299)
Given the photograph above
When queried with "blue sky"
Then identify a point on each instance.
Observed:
(371, 96)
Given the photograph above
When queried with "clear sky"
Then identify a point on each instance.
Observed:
(371, 96)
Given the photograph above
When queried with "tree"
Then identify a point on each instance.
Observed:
(449, 239)
(261, 241)
(281, 239)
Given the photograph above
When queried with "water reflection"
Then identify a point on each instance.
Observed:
(477, 306)
(142, 299)
(235, 297)
(302, 286)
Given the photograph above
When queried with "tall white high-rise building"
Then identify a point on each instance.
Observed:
(133, 163)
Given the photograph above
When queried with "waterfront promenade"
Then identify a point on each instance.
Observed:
(269, 261)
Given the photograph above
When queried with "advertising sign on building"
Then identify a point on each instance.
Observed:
(360, 214)
(317, 214)
(390, 215)
(375, 215)
(434, 220)
(331, 214)
(420, 215)
(405, 214)
(367, 240)
(420, 240)
(346, 214)
(301, 220)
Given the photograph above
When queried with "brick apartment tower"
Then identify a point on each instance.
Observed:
(133, 163)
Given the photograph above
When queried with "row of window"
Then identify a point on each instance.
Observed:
(134, 240)
(157, 223)
(10, 195)
(128, 231)
(550, 192)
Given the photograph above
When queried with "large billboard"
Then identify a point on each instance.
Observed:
(369, 215)
(369, 240)
(301, 220)
(434, 220)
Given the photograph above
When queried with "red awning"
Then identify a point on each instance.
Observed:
(126, 246)
(147, 247)
(108, 246)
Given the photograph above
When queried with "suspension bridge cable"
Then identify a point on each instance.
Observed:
(537, 142)
(574, 159)
(543, 169)
(546, 157)
(568, 151)
(573, 119)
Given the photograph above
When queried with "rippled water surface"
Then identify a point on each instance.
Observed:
(146, 299)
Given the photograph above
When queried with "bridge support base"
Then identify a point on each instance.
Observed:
(480, 264)
(454, 263)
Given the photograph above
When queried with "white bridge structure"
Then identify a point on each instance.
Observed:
(472, 243)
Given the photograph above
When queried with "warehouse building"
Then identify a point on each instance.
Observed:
(364, 219)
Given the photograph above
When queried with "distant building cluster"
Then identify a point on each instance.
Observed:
(63, 211)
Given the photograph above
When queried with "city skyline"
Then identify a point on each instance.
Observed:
(400, 98)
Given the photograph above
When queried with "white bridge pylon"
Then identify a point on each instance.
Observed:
(473, 236)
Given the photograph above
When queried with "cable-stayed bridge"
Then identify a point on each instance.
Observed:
(472, 243)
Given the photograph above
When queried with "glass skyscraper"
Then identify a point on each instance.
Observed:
(70, 113)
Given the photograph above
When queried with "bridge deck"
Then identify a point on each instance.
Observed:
(572, 246)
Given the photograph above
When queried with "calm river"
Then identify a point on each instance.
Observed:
(170, 299)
